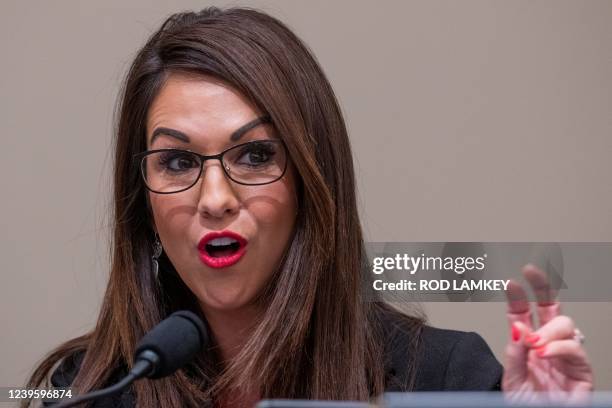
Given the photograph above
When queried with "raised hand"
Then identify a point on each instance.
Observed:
(548, 360)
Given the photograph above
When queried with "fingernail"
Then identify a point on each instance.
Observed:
(516, 333)
(532, 338)
(540, 351)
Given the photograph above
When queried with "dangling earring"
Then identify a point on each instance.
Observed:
(157, 250)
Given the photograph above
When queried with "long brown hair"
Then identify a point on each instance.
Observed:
(319, 337)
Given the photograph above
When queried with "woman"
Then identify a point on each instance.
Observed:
(235, 198)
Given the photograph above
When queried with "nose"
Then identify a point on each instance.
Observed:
(217, 197)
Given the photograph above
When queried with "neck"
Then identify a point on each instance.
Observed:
(231, 328)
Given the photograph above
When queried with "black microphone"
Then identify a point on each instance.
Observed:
(163, 350)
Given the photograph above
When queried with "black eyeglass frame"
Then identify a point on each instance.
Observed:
(140, 157)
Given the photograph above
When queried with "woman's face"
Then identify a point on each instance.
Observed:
(259, 220)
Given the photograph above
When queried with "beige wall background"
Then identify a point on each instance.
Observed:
(470, 121)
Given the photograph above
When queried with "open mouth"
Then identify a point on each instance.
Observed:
(221, 249)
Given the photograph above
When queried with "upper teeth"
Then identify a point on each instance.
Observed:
(222, 241)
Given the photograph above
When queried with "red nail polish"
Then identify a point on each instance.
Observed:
(516, 333)
(532, 338)
(540, 351)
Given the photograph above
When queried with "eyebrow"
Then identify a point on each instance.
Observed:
(236, 134)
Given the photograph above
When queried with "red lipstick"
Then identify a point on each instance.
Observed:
(219, 249)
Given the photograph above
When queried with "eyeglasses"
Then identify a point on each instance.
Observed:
(254, 163)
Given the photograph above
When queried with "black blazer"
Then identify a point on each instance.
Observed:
(449, 360)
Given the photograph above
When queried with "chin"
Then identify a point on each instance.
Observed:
(225, 302)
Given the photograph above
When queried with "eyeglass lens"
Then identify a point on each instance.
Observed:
(251, 163)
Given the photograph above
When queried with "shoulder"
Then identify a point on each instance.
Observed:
(67, 370)
(457, 360)
(445, 359)
(65, 373)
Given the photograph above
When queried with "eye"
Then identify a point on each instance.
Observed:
(256, 154)
(177, 161)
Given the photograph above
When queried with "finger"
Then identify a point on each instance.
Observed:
(548, 312)
(518, 305)
(548, 307)
(569, 350)
(515, 368)
(559, 328)
(539, 282)
(517, 298)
